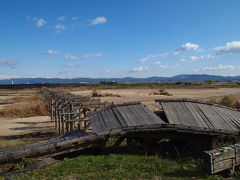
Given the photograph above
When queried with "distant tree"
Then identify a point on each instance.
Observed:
(208, 82)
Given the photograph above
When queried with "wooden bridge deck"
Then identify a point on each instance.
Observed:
(197, 117)
(121, 116)
(201, 115)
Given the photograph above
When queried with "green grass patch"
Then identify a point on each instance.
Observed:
(120, 166)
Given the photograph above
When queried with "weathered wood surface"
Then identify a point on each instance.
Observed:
(68, 111)
(122, 116)
(182, 116)
(225, 158)
(79, 139)
(203, 115)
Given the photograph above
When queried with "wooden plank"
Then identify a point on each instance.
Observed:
(96, 124)
(223, 154)
(106, 120)
(119, 117)
(125, 116)
(204, 117)
(232, 115)
(152, 115)
(185, 114)
(196, 115)
(214, 118)
(140, 115)
(131, 118)
(171, 116)
(223, 158)
(223, 165)
(225, 122)
(178, 114)
(102, 123)
(190, 116)
(138, 120)
(228, 120)
(147, 119)
(112, 119)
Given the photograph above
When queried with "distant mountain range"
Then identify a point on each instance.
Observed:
(178, 78)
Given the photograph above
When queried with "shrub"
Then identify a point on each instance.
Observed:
(163, 92)
(229, 101)
(95, 93)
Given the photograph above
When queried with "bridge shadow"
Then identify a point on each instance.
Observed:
(33, 122)
(32, 126)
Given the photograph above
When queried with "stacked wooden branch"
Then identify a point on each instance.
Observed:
(70, 112)
(225, 158)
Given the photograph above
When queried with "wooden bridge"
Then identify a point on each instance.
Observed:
(93, 122)
(69, 111)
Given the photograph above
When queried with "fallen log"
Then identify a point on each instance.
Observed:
(73, 140)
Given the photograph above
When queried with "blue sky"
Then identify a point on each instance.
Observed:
(119, 38)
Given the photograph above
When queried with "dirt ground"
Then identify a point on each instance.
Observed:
(20, 126)
(146, 96)
(17, 126)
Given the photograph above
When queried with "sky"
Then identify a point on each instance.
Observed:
(118, 38)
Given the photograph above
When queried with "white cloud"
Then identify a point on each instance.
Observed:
(9, 63)
(19, 76)
(86, 56)
(9, 76)
(60, 27)
(194, 70)
(196, 58)
(98, 20)
(140, 69)
(187, 47)
(230, 47)
(149, 57)
(190, 46)
(63, 72)
(40, 22)
(75, 18)
(107, 71)
(220, 67)
(70, 57)
(71, 65)
(157, 63)
(50, 51)
(169, 67)
(61, 18)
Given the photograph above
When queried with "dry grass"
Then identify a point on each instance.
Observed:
(33, 106)
(107, 94)
(229, 101)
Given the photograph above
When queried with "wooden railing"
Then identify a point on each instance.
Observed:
(70, 112)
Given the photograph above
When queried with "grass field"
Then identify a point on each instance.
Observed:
(121, 166)
(123, 163)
